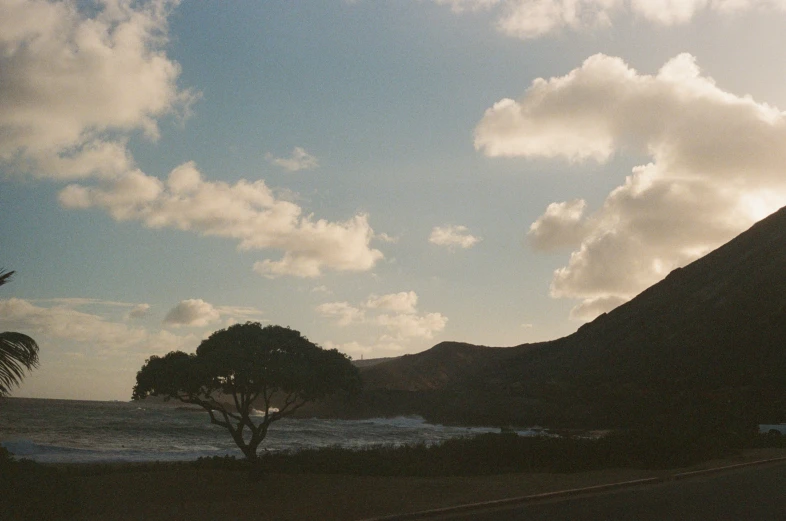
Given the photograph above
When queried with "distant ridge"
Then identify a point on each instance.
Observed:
(368, 362)
(706, 344)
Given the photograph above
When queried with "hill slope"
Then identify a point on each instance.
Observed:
(708, 343)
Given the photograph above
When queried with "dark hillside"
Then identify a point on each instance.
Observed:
(711, 337)
(430, 370)
(707, 344)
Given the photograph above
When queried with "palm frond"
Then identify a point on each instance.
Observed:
(17, 353)
(5, 276)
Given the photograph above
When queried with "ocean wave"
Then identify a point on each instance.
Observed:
(42, 453)
(57, 431)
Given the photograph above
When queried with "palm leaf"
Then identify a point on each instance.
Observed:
(17, 353)
(5, 276)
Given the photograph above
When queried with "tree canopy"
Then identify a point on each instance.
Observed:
(17, 352)
(247, 367)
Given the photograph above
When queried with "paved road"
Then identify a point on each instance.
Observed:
(750, 494)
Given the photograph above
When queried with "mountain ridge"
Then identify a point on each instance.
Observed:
(706, 343)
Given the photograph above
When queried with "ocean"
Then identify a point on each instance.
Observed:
(68, 431)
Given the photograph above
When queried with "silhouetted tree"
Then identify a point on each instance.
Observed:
(244, 367)
(17, 352)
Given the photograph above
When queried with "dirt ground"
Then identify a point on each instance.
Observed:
(179, 493)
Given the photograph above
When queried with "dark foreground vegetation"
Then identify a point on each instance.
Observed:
(509, 453)
(37, 491)
(33, 491)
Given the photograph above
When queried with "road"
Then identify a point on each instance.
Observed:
(750, 493)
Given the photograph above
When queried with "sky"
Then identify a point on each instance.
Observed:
(380, 175)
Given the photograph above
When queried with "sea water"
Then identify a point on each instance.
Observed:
(66, 431)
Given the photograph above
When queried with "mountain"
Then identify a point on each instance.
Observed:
(706, 344)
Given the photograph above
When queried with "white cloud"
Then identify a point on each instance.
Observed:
(396, 312)
(560, 226)
(248, 212)
(343, 311)
(717, 166)
(80, 301)
(406, 325)
(403, 302)
(298, 160)
(72, 80)
(192, 312)
(384, 237)
(452, 236)
(139, 311)
(527, 19)
(238, 313)
(65, 323)
(590, 308)
(354, 349)
(198, 313)
(77, 85)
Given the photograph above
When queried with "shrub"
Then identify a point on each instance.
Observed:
(34, 491)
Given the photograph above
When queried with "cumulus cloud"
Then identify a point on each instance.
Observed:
(192, 312)
(65, 323)
(452, 236)
(198, 313)
(298, 160)
(139, 311)
(560, 226)
(344, 312)
(248, 212)
(64, 331)
(79, 83)
(403, 302)
(592, 307)
(396, 312)
(407, 325)
(72, 82)
(717, 163)
(528, 19)
(384, 237)
(354, 349)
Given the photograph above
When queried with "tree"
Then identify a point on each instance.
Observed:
(17, 352)
(247, 366)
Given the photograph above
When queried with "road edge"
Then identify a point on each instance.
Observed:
(469, 507)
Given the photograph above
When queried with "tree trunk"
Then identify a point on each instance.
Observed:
(250, 453)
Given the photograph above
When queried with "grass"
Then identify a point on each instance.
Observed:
(336, 484)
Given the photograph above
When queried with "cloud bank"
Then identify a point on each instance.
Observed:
(87, 332)
(528, 19)
(248, 212)
(77, 85)
(395, 313)
(71, 83)
(717, 163)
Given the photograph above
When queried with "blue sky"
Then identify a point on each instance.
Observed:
(380, 175)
